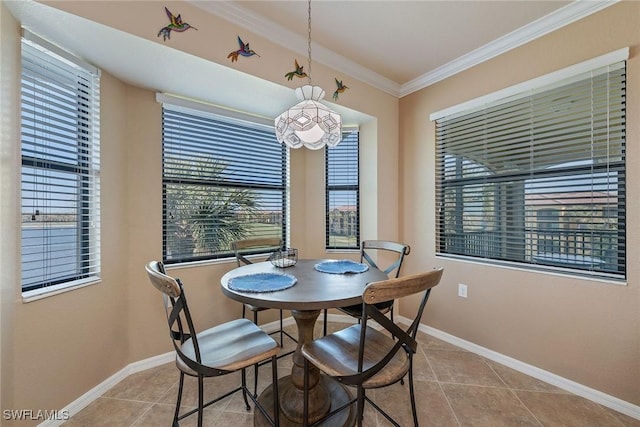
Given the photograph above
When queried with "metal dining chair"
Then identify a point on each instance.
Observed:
(399, 250)
(367, 358)
(241, 249)
(229, 347)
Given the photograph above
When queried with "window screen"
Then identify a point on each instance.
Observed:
(223, 180)
(342, 193)
(60, 168)
(538, 178)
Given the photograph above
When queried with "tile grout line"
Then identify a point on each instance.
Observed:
(142, 415)
(437, 381)
(495, 373)
(513, 392)
(525, 407)
(126, 400)
(455, 416)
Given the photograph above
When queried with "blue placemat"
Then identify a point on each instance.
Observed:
(342, 266)
(262, 282)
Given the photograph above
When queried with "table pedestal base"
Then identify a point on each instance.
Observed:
(338, 394)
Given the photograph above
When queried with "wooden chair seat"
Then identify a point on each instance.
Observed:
(219, 350)
(337, 355)
(367, 358)
(231, 346)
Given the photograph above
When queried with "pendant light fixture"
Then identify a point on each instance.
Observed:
(309, 123)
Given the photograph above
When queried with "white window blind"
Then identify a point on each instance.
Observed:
(342, 177)
(223, 180)
(60, 128)
(538, 178)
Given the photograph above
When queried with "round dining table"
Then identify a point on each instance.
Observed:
(312, 292)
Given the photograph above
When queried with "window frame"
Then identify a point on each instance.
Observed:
(498, 191)
(51, 162)
(206, 113)
(353, 218)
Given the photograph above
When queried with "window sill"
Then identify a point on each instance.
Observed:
(532, 269)
(49, 291)
(342, 251)
(204, 263)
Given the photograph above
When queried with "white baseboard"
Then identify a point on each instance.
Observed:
(548, 377)
(141, 365)
(83, 401)
(604, 399)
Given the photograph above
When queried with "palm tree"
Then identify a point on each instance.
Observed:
(203, 217)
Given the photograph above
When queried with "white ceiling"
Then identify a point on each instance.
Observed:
(395, 45)
(400, 40)
(401, 46)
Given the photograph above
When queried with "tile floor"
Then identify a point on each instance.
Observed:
(453, 388)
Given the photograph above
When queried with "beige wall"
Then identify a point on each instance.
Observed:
(64, 345)
(56, 349)
(586, 331)
(9, 194)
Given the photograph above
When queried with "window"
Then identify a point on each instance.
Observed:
(223, 179)
(342, 179)
(60, 131)
(538, 177)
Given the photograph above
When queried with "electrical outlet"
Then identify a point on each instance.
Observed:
(462, 290)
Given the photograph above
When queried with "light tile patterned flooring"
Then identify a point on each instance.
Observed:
(453, 388)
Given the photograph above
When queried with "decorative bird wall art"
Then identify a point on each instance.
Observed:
(244, 50)
(341, 88)
(298, 72)
(176, 24)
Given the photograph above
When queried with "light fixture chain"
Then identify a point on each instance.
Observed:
(309, 43)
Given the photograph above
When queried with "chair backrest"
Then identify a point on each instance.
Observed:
(367, 246)
(377, 292)
(179, 319)
(244, 247)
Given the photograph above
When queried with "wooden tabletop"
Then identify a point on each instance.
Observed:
(313, 290)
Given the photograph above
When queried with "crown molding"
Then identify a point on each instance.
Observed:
(538, 28)
(234, 12)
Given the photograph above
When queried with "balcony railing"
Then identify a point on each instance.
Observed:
(593, 250)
